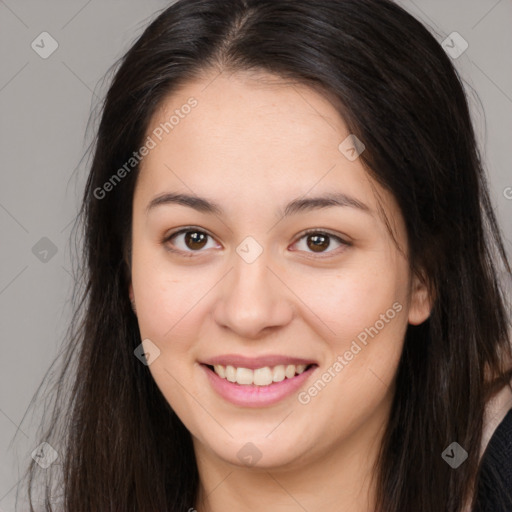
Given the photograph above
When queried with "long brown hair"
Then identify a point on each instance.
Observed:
(121, 445)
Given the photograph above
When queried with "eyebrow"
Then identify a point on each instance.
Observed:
(295, 206)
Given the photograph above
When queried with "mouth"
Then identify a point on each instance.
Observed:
(259, 386)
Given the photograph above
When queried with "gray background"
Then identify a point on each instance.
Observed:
(45, 105)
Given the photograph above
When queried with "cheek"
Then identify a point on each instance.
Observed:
(355, 298)
(367, 315)
(365, 308)
(168, 306)
(165, 293)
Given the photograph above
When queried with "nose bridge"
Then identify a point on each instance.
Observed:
(252, 297)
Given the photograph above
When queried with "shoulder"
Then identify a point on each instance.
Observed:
(494, 493)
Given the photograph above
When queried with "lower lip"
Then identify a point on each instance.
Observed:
(250, 395)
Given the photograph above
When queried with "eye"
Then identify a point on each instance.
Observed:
(193, 239)
(319, 241)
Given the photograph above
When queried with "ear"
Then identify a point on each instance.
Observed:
(130, 292)
(421, 300)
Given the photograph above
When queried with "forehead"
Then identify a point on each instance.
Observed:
(250, 139)
(242, 117)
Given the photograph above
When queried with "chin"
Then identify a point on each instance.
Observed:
(258, 452)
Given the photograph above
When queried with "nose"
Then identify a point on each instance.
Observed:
(254, 299)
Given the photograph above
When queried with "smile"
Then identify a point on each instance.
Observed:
(267, 382)
(260, 376)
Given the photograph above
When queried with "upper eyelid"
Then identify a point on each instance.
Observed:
(184, 230)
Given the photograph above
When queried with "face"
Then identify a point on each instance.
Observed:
(275, 321)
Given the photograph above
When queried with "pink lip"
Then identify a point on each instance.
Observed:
(252, 395)
(252, 363)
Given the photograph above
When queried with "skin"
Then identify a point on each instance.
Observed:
(252, 147)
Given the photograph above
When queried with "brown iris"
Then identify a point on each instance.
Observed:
(319, 242)
(195, 239)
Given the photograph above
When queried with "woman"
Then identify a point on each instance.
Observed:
(291, 263)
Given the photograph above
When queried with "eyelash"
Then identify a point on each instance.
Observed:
(189, 254)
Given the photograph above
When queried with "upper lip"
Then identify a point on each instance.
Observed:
(252, 363)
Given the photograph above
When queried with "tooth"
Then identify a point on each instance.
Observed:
(230, 373)
(278, 374)
(263, 376)
(290, 371)
(220, 371)
(300, 368)
(244, 376)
